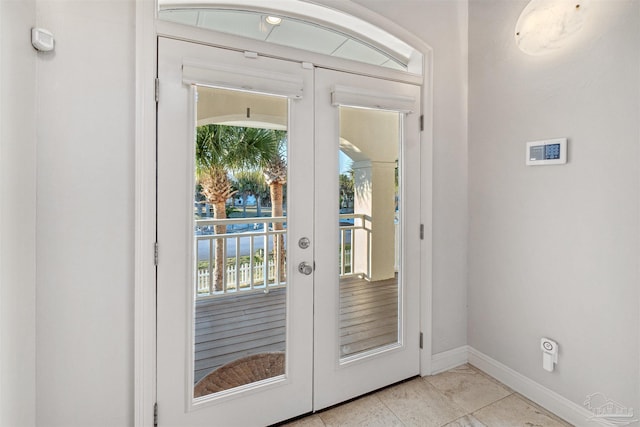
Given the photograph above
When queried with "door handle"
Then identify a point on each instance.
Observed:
(305, 268)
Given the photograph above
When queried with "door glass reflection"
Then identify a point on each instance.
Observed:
(369, 230)
(239, 231)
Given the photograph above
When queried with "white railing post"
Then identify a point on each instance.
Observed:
(210, 268)
(237, 264)
(265, 261)
(225, 282)
(251, 262)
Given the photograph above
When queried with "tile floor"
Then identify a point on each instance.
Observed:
(460, 397)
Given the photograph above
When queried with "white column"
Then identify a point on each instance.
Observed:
(375, 198)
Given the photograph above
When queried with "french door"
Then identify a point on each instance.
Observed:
(366, 329)
(288, 207)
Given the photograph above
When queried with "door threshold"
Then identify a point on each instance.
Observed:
(299, 417)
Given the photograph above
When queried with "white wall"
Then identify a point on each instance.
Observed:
(85, 178)
(17, 214)
(442, 24)
(553, 250)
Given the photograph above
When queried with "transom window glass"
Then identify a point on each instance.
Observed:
(285, 31)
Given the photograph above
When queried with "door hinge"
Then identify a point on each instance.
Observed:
(155, 253)
(422, 122)
(421, 231)
(155, 414)
(421, 336)
(157, 90)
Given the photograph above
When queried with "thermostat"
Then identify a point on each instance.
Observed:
(547, 152)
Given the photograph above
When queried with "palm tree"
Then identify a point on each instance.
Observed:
(250, 183)
(243, 191)
(262, 194)
(219, 150)
(275, 175)
(346, 186)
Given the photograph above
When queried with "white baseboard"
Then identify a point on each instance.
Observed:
(548, 399)
(449, 359)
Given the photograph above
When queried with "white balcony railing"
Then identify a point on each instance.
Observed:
(352, 248)
(252, 265)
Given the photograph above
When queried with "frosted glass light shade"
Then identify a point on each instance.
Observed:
(547, 25)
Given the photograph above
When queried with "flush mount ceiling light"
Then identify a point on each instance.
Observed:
(547, 25)
(273, 20)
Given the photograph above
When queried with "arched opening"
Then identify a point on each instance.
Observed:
(298, 24)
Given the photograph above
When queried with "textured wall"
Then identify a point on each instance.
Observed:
(553, 250)
(17, 214)
(85, 215)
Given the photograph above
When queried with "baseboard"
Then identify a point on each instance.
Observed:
(548, 399)
(449, 359)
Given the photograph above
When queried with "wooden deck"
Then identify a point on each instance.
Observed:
(368, 315)
(232, 327)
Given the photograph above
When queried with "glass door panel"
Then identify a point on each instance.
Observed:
(366, 329)
(369, 224)
(234, 316)
(239, 209)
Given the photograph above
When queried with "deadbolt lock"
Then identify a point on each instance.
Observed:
(304, 242)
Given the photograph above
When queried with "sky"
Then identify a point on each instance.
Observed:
(345, 163)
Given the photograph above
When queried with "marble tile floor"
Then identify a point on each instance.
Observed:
(461, 397)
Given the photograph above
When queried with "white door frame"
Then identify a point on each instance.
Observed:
(147, 30)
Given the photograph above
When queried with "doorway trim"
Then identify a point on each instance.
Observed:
(147, 30)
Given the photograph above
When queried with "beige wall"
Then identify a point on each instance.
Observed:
(17, 214)
(553, 250)
(85, 231)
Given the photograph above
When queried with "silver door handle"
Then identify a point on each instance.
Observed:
(305, 268)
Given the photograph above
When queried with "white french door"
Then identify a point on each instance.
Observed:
(281, 300)
(366, 331)
(275, 93)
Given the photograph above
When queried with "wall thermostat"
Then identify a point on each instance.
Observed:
(547, 152)
(42, 39)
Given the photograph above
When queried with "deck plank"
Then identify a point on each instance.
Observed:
(235, 326)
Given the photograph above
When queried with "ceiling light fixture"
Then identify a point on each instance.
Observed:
(273, 20)
(546, 25)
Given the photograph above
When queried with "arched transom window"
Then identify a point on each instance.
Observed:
(298, 24)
